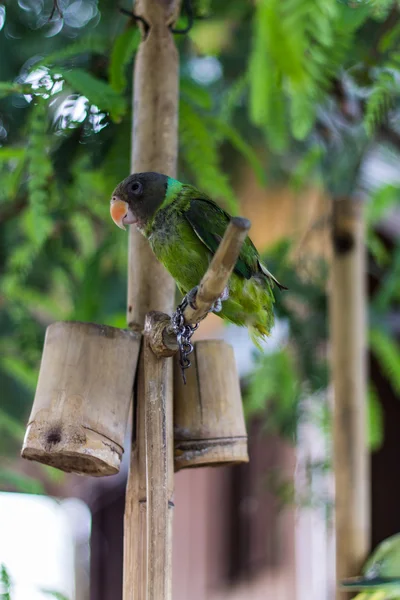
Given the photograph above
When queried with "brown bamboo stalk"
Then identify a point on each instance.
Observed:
(159, 523)
(348, 337)
(154, 148)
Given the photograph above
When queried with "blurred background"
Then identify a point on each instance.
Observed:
(285, 106)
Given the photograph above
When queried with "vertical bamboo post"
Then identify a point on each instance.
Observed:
(348, 338)
(154, 148)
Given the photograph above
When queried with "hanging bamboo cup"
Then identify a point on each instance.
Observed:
(209, 427)
(79, 415)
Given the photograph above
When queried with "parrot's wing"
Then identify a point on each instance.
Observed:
(363, 583)
(209, 222)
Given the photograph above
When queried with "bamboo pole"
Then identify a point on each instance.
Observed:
(154, 148)
(348, 337)
(159, 472)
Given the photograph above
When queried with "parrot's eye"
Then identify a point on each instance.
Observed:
(136, 188)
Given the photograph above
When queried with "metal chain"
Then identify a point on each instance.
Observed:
(184, 333)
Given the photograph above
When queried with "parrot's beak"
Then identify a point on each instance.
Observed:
(120, 212)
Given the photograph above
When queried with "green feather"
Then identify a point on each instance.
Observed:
(185, 233)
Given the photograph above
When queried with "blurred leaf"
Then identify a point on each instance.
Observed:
(200, 153)
(19, 482)
(385, 198)
(5, 583)
(97, 91)
(18, 369)
(387, 352)
(240, 144)
(375, 420)
(88, 45)
(54, 594)
(10, 88)
(273, 390)
(10, 426)
(121, 54)
(389, 291)
(212, 37)
(196, 93)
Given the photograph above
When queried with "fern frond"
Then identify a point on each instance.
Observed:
(195, 93)
(380, 101)
(233, 97)
(226, 131)
(298, 47)
(200, 153)
(36, 221)
(121, 54)
(86, 45)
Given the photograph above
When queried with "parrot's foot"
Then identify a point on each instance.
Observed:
(217, 306)
(191, 297)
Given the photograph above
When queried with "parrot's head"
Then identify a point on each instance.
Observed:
(137, 198)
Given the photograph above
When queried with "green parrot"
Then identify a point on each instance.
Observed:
(381, 573)
(184, 228)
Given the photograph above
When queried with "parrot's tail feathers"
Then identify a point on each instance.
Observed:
(258, 334)
(270, 276)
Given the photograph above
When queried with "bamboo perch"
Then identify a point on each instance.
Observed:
(162, 338)
(220, 269)
(348, 333)
(154, 148)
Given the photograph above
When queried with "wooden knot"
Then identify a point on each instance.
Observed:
(162, 340)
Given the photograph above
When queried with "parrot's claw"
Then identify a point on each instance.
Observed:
(217, 306)
(191, 297)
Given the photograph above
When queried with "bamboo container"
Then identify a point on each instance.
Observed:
(79, 415)
(209, 427)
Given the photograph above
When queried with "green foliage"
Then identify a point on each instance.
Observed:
(387, 352)
(10, 88)
(86, 45)
(200, 151)
(122, 52)
(5, 583)
(273, 391)
(380, 100)
(283, 71)
(97, 91)
(300, 47)
(53, 594)
(11, 479)
(6, 587)
(10, 426)
(375, 420)
(284, 379)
